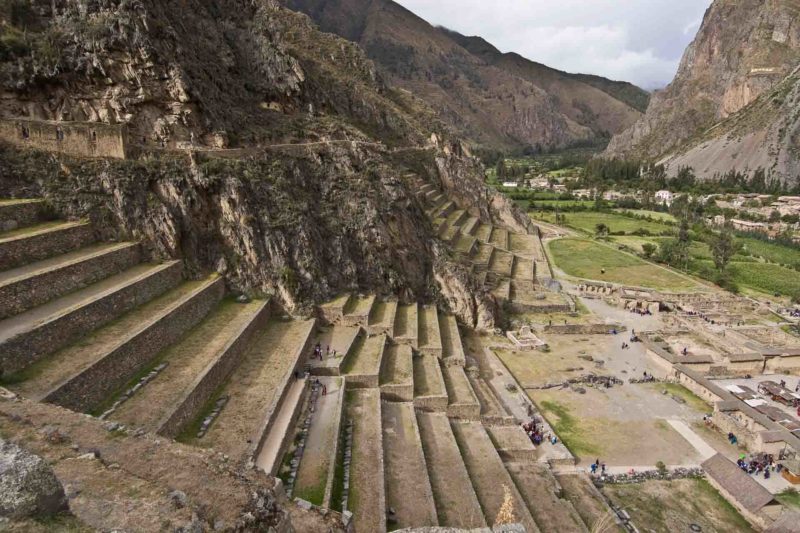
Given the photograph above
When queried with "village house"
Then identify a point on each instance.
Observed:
(747, 225)
(664, 197)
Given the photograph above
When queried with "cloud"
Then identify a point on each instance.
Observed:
(635, 40)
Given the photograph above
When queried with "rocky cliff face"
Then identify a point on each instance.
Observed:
(743, 51)
(495, 100)
(315, 201)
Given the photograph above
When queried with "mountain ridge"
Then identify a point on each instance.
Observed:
(498, 105)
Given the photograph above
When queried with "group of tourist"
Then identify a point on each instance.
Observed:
(534, 431)
(641, 312)
(318, 352)
(597, 465)
(755, 466)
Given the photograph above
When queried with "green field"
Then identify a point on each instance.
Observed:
(587, 222)
(586, 259)
(772, 252)
(767, 277)
(655, 215)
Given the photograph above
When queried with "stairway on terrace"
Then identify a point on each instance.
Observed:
(498, 257)
(409, 436)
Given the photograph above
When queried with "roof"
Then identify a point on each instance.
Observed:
(744, 489)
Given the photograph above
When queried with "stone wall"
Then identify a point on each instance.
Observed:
(398, 392)
(431, 403)
(212, 377)
(89, 388)
(21, 351)
(24, 250)
(337, 443)
(21, 214)
(583, 329)
(27, 293)
(82, 139)
(464, 411)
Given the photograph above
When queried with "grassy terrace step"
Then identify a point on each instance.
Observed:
(538, 488)
(30, 336)
(381, 318)
(333, 338)
(483, 255)
(22, 246)
(512, 443)
(466, 244)
(367, 499)
(483, 232)
(457, 217)
(408, 489)
(462, 402)
(430, 340)
(430, 393)
(445, 210)
(488, 474)
(502, 263)
(256, 389)
(363, 367)
(25, 287)
(397, 373)
(492, 409)
(524, 245)
(315, 475)
(585, 498)
(522, 269)
(186, 360)
(452, 349)
(469, 227)
(499, 238)
(357, 311)
(449, 233)
(457, 505)
(51, 372)
(19, 213)
(406, 324)
(333, 311)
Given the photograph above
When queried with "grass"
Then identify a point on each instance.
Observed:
(685, 394)
(772, 252)
(789, 497)
(767, 277)
(316, 492)
(567, 427)
(587, 259)
(655, 215)
(587, 221)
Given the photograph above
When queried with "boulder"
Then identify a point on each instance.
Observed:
(28, 485)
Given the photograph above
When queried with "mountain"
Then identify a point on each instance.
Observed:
(258, 147)
(496, 100)
(733, 102)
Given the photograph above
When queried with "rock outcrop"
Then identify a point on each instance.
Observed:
(28, 485)
(725, 108)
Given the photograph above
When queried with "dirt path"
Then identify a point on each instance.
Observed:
(456, 503)
(312, 475)
(185, 361)
(367, 499)
(408, 489)
(255, 385)
(45, 375)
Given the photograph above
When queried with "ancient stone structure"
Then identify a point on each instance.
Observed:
(82, 139)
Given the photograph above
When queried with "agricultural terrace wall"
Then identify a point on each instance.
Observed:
(81, 139)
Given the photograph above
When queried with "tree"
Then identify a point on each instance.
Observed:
(649, 249)
(723, 247)
(601, 230)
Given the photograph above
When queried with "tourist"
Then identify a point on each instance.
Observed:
(594, 468)
(603, 468)
(324, 390)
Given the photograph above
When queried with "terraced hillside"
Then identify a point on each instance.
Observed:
(367, 408)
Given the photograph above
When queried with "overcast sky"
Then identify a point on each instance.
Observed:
(640, 41)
